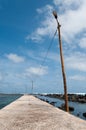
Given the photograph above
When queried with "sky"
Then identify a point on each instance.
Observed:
(26, 31)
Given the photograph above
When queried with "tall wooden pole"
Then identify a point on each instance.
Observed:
(63, 70)
(62, 64)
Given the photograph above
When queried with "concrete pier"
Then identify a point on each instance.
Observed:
(30, 113)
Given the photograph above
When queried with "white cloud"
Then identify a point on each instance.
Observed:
(45, 9)
(67, 3)
(77, 78)
(15, 58)
(46, 26)
(73, 20)
(37, 70)
(34, 37)
(82, 43)
(71, 17)
(76, 61)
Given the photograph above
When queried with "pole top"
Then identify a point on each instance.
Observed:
(55, 14)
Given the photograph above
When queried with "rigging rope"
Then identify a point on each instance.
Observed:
(47, 53)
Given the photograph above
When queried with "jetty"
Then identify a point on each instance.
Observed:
(30, 113)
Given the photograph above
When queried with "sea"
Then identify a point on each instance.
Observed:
(79, 108)
(6, 99)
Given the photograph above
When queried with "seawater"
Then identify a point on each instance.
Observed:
(79, 108)
(6, 99)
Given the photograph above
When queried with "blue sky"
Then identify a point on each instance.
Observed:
(26, 30)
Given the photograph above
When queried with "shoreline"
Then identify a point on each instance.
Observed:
(71, 97)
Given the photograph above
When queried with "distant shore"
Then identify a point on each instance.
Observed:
(71, 97)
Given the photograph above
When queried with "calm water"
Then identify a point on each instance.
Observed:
(6, 99)
(79, 108)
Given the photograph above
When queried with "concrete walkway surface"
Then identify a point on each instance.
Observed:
(30, 113)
